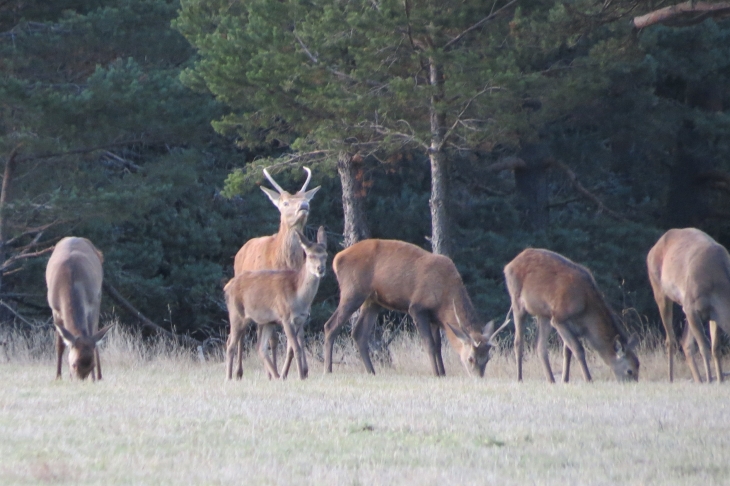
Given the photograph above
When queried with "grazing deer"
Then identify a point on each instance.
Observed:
(563, 294)
(688, 267)
(271, 297)
(403, 277)
(74, 276)
(281, 251)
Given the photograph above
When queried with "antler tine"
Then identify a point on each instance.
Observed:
(458, 321)
(507, 320)
(273, 182)
(309, 177)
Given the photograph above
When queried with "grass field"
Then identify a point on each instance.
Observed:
(163, 417)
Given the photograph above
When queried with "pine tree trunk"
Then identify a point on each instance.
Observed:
(531, 185)
(350, 170)
(4, 194)
(440, 237)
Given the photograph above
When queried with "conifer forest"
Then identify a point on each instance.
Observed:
(470, 128)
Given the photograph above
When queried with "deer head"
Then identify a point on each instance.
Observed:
(316, 252)
(81, 350)
(294, 208)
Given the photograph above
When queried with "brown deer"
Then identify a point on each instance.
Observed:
(275, 297)
(403, 277)
(688, 267)
(281, 251)
(73, 275)
(563, 294)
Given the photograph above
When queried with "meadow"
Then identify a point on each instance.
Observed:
(163, 416)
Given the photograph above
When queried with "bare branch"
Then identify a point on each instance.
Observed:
(458, 117)
(486, 19)
(15, 313)
(585, 192)
(147, 323)
(689, 7)
(23, 256)
(306, 51)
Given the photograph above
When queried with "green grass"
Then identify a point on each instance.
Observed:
(161, 417)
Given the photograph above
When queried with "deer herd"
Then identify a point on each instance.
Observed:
(277, 277)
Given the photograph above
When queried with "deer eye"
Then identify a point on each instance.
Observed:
(630, 372)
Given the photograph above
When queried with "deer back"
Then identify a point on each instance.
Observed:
(397, 275)
(549, 285)
(688, 265)
(74, 275)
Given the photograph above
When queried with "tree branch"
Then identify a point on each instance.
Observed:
(479, 24)
(689, 7)
(585, 192)
(147, 323)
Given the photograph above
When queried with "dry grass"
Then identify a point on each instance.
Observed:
(161, 416)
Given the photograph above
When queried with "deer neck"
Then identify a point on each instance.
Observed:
(307, 285)
(289, 252)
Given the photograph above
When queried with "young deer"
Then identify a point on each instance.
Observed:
(275, 297)
(281, 251)
(403, 277)
(563, 294)
(688, 267)
(74, 275)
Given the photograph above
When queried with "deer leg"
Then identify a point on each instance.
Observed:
(695, 326)
(290, 329)
(715, 343)
(520, 316)
(543, 332)
(347, 306)
(273, 344)
(689, 348)
(60, 346)
(290, 355)
(423, 323)
(436, 332)
(567, 355)
(362, 330)
(666, 312)
(234, 346)
(287, 362)
(98, 364)
(266, 331)
(576, 347)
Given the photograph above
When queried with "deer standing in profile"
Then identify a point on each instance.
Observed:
(281, 251)
(275, 297)
(74, 275)
(688, 267)
(564, 295)
(400, 276)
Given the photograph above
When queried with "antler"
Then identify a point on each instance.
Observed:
(458, 321)
(506, 322)
(273, 182)
(309, 177)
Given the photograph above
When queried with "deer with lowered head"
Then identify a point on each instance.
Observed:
(690, 268)
(562, 294)
(281, 251)
(74, 275)
(275, 297)
(396, 275)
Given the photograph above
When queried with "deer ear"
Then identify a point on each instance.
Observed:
(488, 328)
(101, 333)
(310, 193)
(273, 195)
(633, 342)
(619, 347)
(463, 337)
(322, 236)
(67, 337)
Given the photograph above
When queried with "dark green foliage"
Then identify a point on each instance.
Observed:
(640, 118)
